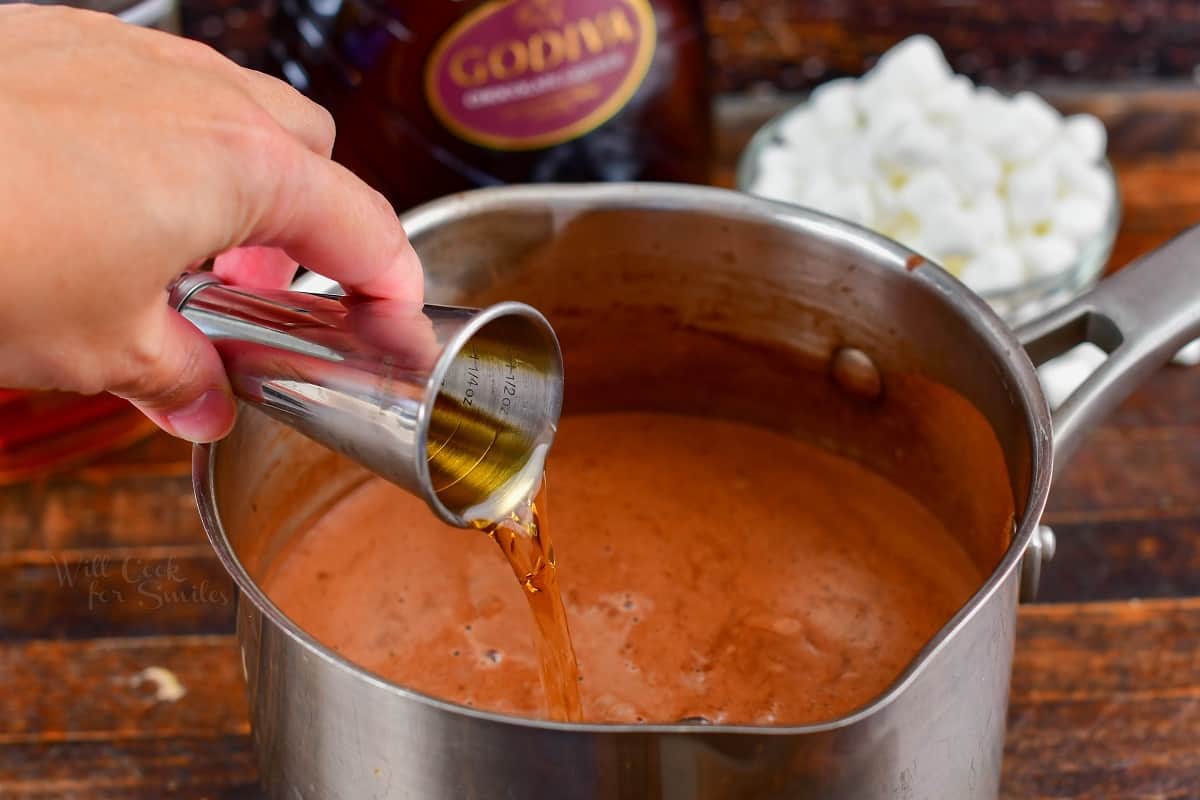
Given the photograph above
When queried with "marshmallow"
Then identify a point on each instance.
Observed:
(888, 205)
(1015, 143)
(852, 203)
(1049, 255)
(1032, 189)
(852, 162)
(946, 233)
(1063, 375)
(777, 160)
(1087, 136)
(887, 117)
(909, 235)
(808, 146)
(1015, 130)
(949, 103)
(974, 169)
(987, 119)
(799, 126)
(834, 105)
(816, 188)
(988, 217)
(1035, 123)
(794, 158)
(926, 190)
(998, 189)
(776, 185)
(914, 67)
(1189, 356)
(997, 268)
(912, 145)
(779, 157)
(1087, 179)
(1079, 217)
(778, 173)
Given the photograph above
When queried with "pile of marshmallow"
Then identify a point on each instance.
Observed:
(999, 190)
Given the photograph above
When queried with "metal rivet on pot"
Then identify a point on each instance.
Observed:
(1049, 543)
(854, 371)
(1037, 555)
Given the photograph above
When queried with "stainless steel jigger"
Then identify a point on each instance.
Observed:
(456, 405)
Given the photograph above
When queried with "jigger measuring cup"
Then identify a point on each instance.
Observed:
(458, 406)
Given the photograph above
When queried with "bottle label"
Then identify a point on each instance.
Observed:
(526, 74)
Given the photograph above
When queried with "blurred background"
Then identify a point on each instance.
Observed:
(796, 44)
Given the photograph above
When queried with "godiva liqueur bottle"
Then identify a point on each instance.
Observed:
(437, 96)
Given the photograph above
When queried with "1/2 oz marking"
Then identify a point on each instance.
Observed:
(509, 388)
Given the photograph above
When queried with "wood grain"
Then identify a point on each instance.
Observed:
(795, 43)
(1131, 472)
(174, 768)
(1105, 702)
(61, 691)
(1087, 719)
(100, 511)
(1124, 558)
(114, 592)
(138, 496)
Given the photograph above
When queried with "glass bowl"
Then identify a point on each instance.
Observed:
(1015, 304)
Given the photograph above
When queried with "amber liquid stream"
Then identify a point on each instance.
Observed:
(524, 539)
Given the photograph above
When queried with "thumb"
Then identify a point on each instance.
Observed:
(182, 388)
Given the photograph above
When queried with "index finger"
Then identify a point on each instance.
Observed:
(326, 218)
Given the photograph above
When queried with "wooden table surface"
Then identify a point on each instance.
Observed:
(105, 571)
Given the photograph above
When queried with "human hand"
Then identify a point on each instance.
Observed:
(128, 155)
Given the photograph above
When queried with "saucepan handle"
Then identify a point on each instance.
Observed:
(1140, 317)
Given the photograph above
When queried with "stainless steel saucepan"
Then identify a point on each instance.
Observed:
(632, 277)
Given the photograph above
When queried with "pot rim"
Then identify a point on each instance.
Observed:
(976, 313)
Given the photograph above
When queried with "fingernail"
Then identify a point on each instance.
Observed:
(206, 419)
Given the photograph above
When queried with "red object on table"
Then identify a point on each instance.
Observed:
(43, 432)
